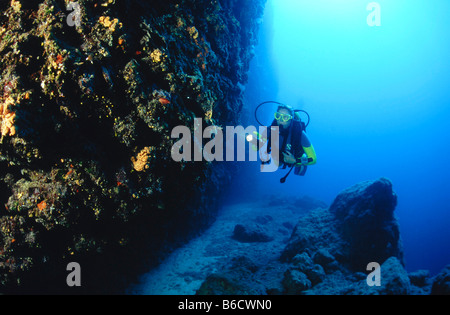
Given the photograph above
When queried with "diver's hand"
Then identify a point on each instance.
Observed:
(304, 159)
(289, 158)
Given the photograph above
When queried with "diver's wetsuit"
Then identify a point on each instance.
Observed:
(294, 140)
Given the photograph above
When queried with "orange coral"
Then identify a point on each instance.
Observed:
(140, 162)
(193, 32)
(42, 205)
(59, 59)
(16, 5)
(7, 118)
(108, 23)
(157, 55)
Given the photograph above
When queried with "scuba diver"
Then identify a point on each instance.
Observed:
(296, 150)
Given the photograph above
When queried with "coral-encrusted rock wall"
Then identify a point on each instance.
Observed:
(86, 115)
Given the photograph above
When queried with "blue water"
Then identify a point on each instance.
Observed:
(379, 101)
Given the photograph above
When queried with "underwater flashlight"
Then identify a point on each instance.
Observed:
(249, 138)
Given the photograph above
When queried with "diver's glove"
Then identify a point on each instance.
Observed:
(289, 158)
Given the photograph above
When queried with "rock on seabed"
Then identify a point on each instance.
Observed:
(330, 248)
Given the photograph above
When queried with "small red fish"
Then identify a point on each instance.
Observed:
(164, 101)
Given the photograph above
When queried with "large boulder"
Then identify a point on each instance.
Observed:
(365, 220)
(235, 279)
(313, 232)
(394, 278)
(295, 282)
(358, 228)
(441, 283)
(250, 233)
(390, 279)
